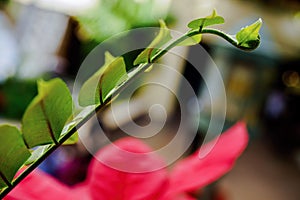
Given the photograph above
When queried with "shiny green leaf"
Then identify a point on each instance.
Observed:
(248, 37)
(36, 154)
(73, 139)
(98, 87)
(196, 39)
(161, 39)
(47, 114)
(207, 21)
(13, 153)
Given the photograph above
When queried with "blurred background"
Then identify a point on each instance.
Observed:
(45, 39)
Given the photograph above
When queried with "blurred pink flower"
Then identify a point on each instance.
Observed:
(107, 183)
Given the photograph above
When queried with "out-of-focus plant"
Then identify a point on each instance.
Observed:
(10, 106)
(110, 17)
(3, 2)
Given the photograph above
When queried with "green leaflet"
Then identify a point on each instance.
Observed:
(45, 117)
(248, 37)
(198, 24)
(97, 88)
(162, 38)
(71, 123)
(206, 21)
(39, 151)
(13, 153)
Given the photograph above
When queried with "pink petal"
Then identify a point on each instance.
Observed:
(39, 185)
(105, 181)
(127, 170)
(194, 172)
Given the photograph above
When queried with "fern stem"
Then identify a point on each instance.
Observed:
(141, 68)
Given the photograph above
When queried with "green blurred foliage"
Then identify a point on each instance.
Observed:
(113, 16)
(15, 95)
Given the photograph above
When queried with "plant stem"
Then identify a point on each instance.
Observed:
(192, 33)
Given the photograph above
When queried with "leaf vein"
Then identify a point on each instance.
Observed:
(48, 122)
(5, 179)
